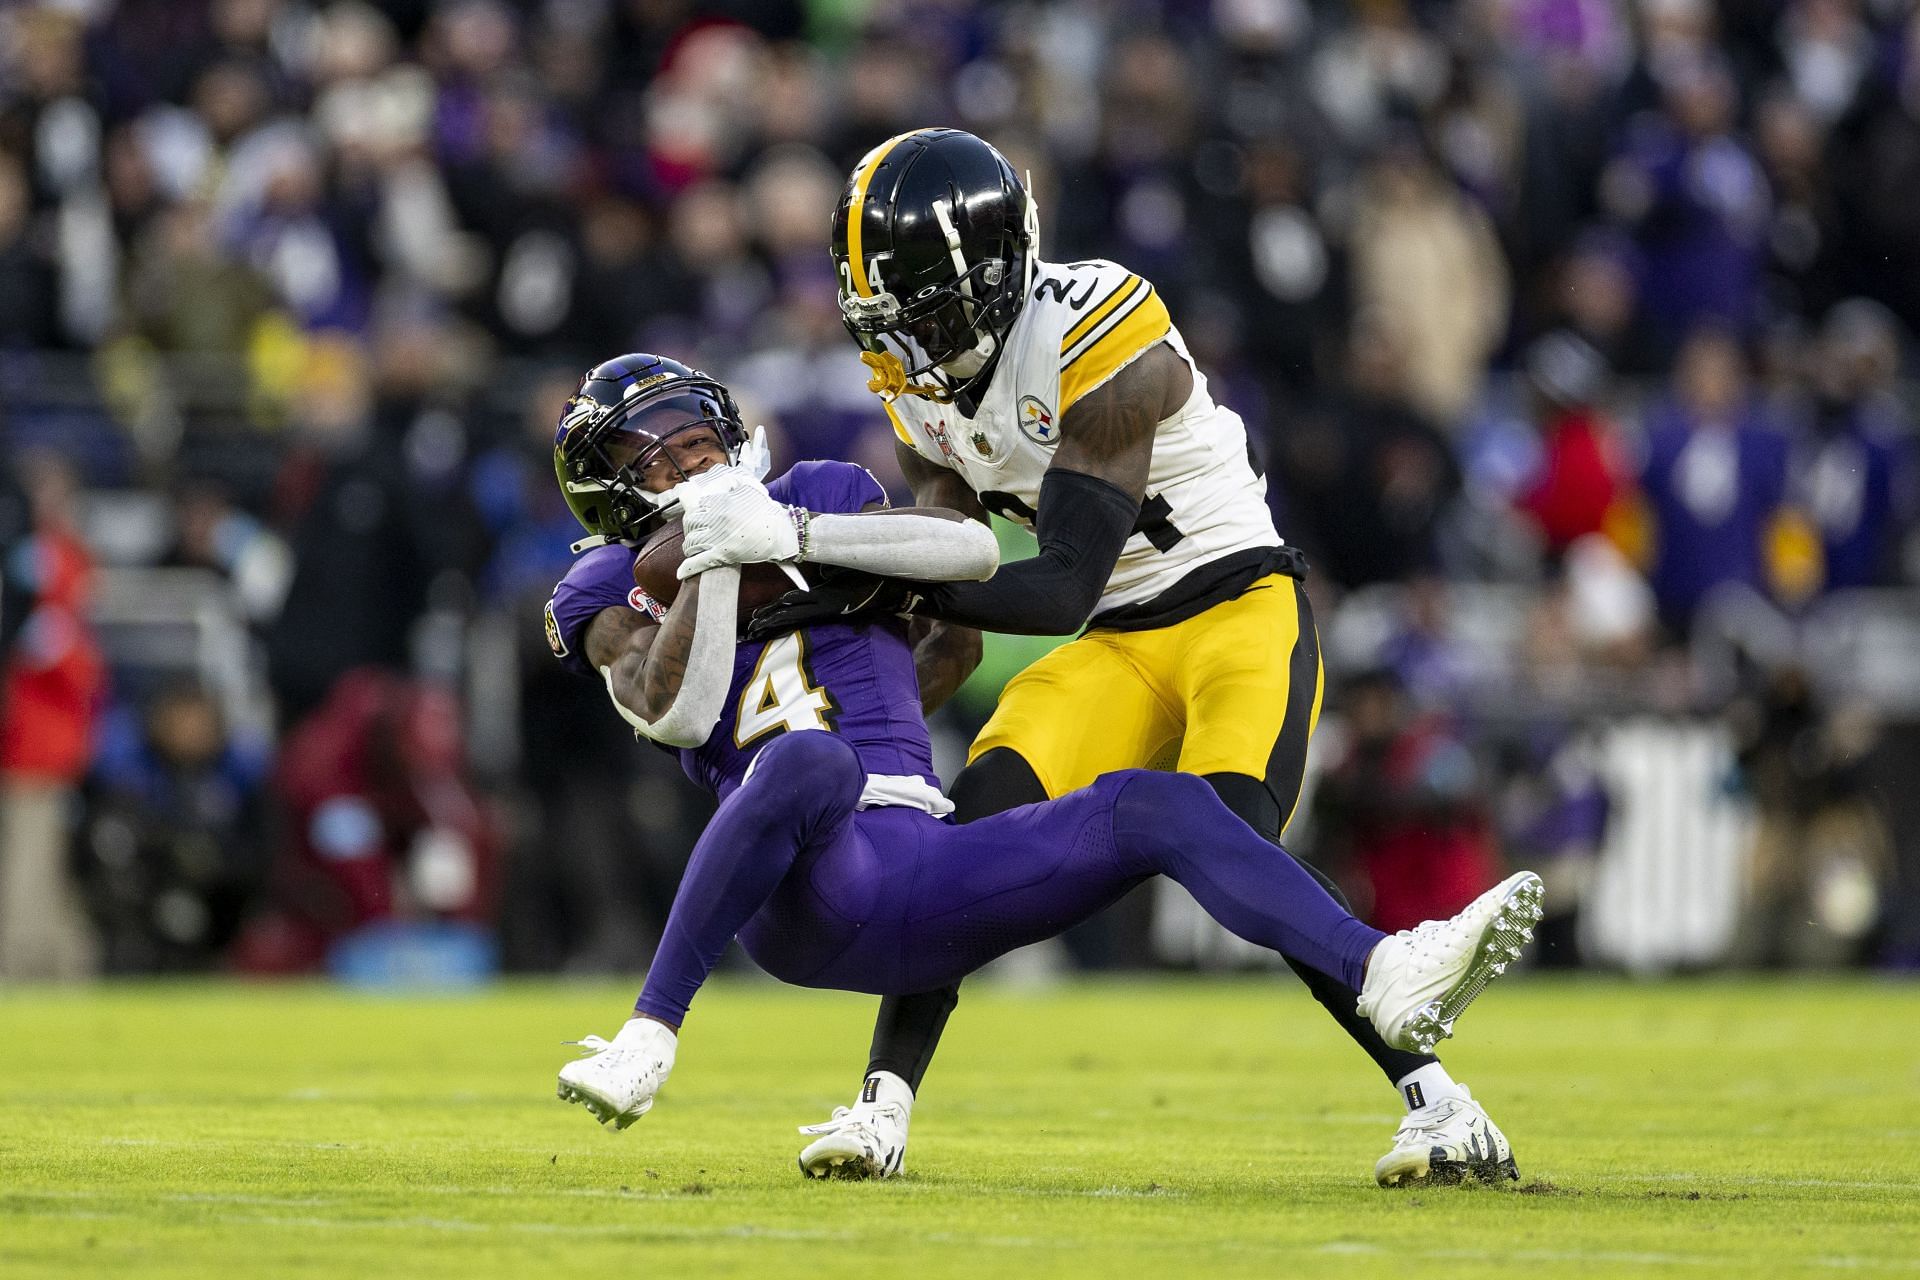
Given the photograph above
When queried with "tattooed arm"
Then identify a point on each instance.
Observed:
(944, 653)
(670, 681)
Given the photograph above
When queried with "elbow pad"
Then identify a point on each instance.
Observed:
(1083, 525)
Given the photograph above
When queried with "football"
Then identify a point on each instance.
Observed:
(654, 571)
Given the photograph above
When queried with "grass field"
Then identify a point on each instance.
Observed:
(1178, 1128)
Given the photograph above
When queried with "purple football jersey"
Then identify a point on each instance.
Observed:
(857, 681)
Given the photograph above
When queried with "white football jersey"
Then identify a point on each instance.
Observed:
(1082, 323)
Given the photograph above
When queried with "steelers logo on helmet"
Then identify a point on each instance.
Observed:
(934, 240)
(611, 450)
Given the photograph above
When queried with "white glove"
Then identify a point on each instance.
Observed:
(742, 526)
(690, 495)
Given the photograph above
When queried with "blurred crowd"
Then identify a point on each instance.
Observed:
(1575, 337)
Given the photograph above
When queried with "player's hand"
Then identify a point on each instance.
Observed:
(710, 486)
(844, 595)
(742, 526)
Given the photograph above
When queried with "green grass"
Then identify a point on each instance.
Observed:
(1126, 1131)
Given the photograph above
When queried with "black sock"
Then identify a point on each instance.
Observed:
(908, 1029)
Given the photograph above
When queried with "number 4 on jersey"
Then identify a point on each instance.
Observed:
(780, 696)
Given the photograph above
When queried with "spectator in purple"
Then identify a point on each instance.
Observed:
(1714, 479)
(1697, 203)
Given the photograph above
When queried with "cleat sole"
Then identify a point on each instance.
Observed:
(599, 1108)
(843, 1168)
(1441, 1172)
(1510, 929)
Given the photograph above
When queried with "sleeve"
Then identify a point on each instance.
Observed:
(838, 487)
(1127, 319)
(600, 579)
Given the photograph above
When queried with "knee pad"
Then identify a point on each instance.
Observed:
(816, 759)
(1154, 798)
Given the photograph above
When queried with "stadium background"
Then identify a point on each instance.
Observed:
(1574, 335)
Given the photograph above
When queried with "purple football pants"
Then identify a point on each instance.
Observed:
(893, 901)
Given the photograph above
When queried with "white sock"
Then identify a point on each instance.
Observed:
(883, 1088)
(1426, 1086)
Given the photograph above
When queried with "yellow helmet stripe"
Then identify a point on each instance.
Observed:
(857, 265)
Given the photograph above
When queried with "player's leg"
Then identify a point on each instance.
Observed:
(1079, 711)
(1249, 720)
(869, 1138)
(983, 889)
(908, 1028)
(800, 793)
(1235, 698)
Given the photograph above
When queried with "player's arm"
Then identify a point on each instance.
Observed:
(944, 653)
(670, 681)
(1089, 503)
(924, 543)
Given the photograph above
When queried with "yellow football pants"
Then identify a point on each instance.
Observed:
(1235, 689)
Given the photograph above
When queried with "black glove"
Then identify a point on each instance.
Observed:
(844, 596)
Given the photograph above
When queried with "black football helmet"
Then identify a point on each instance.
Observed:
(625, 410)
(934, 240)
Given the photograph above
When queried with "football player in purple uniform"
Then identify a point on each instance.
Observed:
(832, 857)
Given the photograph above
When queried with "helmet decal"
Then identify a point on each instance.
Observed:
(865, 278)
(617, 424)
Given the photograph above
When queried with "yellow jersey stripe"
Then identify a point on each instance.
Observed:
(856, 211)
(1120, 294)
(1121, 318)
(1144, 324)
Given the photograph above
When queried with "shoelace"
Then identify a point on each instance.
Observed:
(611, 1054)
(1443, 1112)
(843, 1117)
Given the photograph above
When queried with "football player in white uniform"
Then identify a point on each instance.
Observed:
(1062, 396)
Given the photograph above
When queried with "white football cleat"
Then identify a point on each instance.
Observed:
(1447, 1141)
(866, 1140)
(617, 1079)
(1420, 979)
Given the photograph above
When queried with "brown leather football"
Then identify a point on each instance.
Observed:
(659, 560)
